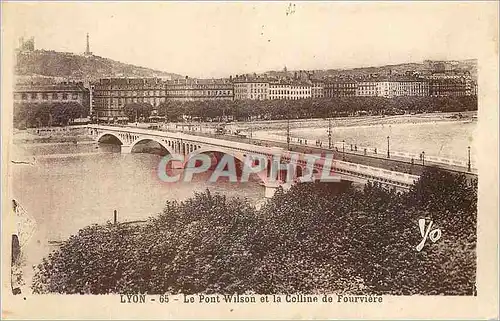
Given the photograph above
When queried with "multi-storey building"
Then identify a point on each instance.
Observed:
(279, 90)
(402, 87)
(199, 89)
(340, 88)
(112, 94)
(450, 85)
(367, 88)
(251, 89)
(416, 87)
(317, 89)
(52, 93)
(299, 90)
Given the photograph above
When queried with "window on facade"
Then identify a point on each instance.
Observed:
(24, 96)
(45, 96)
(65, 96)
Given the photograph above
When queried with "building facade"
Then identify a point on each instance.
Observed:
(251, 89)
(317, 89)
(279, 90)
(403, 87)
(299, 90)
(52, 93)
(112, 94)
(450, 85)
(199, 89)
(26, 45)
(339, 89)
(367, 89)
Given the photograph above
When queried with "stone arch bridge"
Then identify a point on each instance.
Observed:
(180, 144)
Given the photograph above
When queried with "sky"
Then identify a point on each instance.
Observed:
(218, 39)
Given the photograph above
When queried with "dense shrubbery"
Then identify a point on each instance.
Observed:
(313, 108)
(311, 239)
(47, 114)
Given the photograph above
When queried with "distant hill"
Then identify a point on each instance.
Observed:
(57, 65)
(425, 67)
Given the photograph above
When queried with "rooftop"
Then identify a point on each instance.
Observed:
(64, 86)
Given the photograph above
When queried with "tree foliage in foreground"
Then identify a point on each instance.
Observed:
(312, 239)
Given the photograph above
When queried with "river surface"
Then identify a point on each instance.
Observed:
(447, 139)
(70, 188)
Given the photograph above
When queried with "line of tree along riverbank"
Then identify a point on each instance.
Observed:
(307, 108)
(312, 239)
(47, 114)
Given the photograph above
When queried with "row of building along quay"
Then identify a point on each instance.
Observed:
(107, 97)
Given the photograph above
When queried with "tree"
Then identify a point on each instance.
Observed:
(63, 113)
(136, 111)
(172, 110)
(47, 114)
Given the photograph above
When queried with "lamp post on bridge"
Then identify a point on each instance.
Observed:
(343, 149)
(251, 130)
(423, 158)
(468, 162)
(329, 133)
(288, 134)
(388, 153)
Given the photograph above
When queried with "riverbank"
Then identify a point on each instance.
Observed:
(34, 139)
(50, 135)
(356, 121)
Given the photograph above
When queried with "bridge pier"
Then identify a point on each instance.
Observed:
(176, 164)
(272, 187)
(126, 149)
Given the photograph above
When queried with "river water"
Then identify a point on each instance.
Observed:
(71, 187)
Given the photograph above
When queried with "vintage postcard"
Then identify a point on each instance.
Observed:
(250, 160)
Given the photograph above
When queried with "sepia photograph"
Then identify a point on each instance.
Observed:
(240, 159)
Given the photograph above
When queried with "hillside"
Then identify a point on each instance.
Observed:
(53, 64)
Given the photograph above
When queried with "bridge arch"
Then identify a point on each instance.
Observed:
(237, 155)
(141, 139)
(109, 134)
(299, 171)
